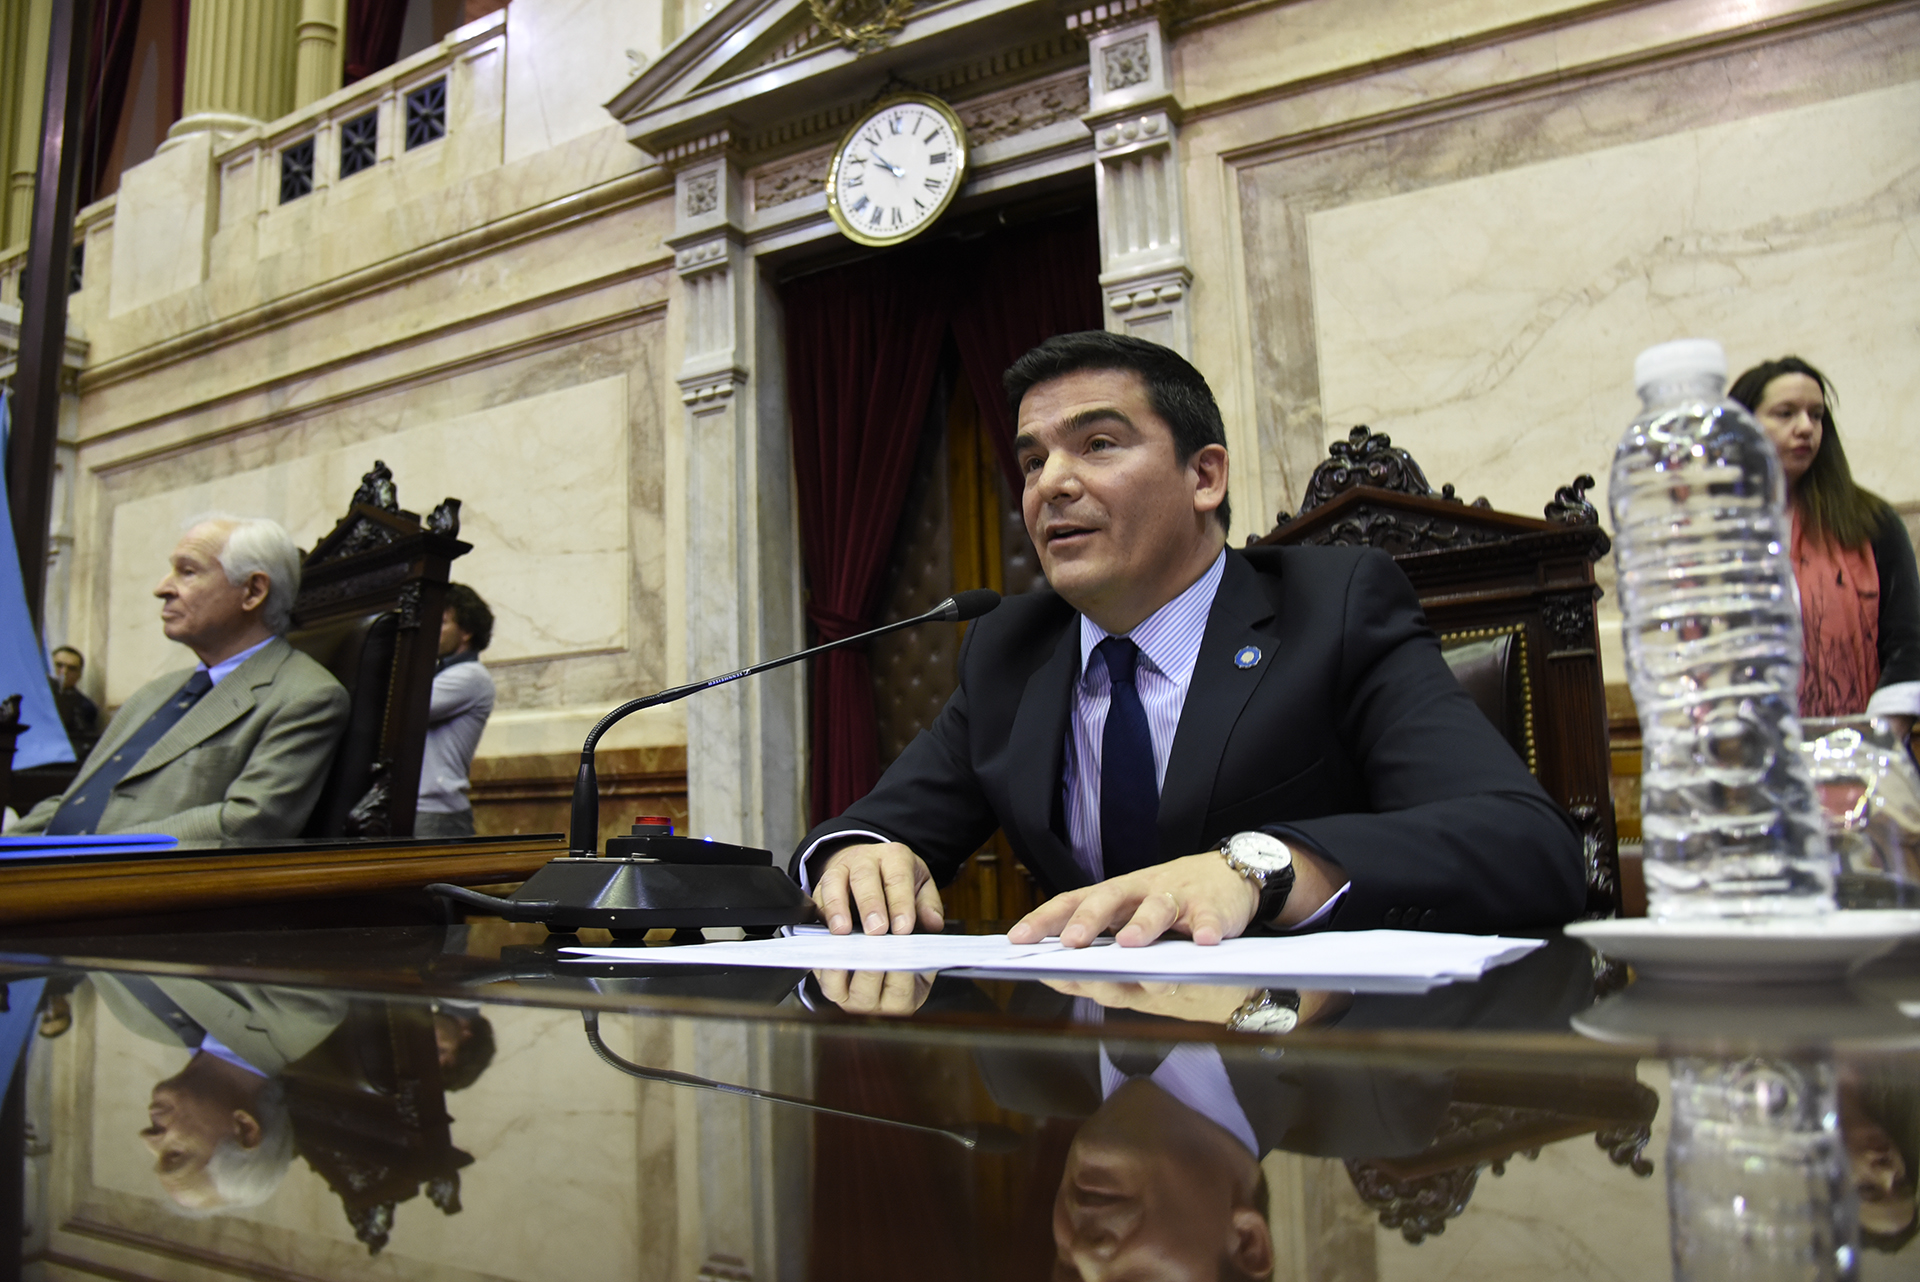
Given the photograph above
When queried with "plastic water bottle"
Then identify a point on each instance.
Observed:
(1757, 1181)
(1730, 820)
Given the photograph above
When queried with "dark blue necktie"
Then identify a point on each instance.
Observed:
(164, 1008)
(1129, 789)
(81, 811)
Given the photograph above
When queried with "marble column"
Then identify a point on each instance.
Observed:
(240, 64)
(1135, 120)
(317, 68)
(24, 155)
(746, 740)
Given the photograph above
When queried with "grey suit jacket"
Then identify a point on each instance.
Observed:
(269, 1027)
(247, 762)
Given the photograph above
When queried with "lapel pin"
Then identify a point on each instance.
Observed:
(1246, 656)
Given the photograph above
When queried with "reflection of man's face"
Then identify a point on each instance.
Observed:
(1154, 1190)
(187, 1119)
(1880, 1175)
(67, 666)
(449, 1035)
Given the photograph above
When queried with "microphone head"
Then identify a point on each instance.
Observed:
(987, 1138)
(970, 604)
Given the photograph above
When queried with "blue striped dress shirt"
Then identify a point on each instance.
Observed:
(1169, 641)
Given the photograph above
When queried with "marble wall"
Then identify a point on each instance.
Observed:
(493, 328)
(604, 1162)
(1468, 252)
(569, 58)
(553, 568)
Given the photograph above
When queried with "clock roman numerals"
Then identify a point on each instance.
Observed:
(883, 189)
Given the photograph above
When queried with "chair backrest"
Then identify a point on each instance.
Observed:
(359, 652)
(371, 595)
(1512, 599)
(1493, 669)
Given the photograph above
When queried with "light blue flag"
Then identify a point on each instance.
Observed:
(23, 666)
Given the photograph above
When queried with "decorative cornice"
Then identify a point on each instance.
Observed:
(707, 255)
(1147, 289)
(1118, 13)
(712, 387)
(1023, 63)
(1024, 108)
(722, 141)
(792, 179)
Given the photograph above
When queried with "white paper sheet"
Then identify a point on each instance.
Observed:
(1417, 957)
(1335, 956)
(818, 950)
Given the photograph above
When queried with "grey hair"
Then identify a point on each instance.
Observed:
(249, 1176)
(256, 545)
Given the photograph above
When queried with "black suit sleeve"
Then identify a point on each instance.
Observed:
(1899, 602)
(929, 799)
(1456, 834)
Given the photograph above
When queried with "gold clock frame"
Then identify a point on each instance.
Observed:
(867, 116)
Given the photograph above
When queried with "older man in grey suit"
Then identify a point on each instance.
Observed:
(239, 746)
(219, 1129)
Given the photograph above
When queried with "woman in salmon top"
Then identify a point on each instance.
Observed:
(1859, 592)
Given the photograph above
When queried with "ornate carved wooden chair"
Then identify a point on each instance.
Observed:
(370, 1116)
(1512, 599)
(1495, 1117)
(371, 595)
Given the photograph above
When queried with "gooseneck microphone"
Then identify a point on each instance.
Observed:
(657, 881)
(983, 1138)
(583, 837)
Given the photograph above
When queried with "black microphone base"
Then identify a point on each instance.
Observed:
(636, 895)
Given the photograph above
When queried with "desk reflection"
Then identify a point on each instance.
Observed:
(1467, 1129)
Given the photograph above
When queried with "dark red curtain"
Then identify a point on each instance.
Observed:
(863, 345)
(1023, 285)
(373, 36)
(180, 8)
(109, 69)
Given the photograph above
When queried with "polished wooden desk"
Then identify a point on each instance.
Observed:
(203, 877)
(1475, 1130)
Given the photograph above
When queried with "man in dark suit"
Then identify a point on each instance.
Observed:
(1175, 736)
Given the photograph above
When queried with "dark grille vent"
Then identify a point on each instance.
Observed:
(359, 143)
(427, 114)
(296, 171)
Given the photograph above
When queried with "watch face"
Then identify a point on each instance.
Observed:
(1260, 851)
(897, 170)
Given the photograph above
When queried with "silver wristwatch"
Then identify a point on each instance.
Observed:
(1264, 860)
(1267, 1012)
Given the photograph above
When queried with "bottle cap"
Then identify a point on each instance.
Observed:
(1682, 358)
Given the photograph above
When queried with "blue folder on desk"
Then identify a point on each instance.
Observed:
(129, 843)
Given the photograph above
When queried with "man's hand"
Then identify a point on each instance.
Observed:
(1198, 896)
(886, 886)
(1195, 1003)
(876, 992)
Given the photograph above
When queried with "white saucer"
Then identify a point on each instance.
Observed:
(1650, 1014)
(1752, 949)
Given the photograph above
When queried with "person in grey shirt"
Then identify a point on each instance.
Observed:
(462, 702)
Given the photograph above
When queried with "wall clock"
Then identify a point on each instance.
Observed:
(897, 169)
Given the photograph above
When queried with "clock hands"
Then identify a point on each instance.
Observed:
(888, 165)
